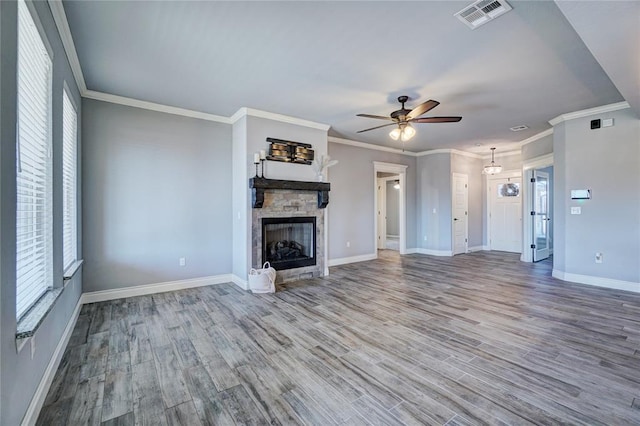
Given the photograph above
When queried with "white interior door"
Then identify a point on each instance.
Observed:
(381, 211)
(505, 215)
(460, 199)
(540, 215)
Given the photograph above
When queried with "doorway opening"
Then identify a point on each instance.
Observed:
(388, 211)
(537, 228)
(390, 206)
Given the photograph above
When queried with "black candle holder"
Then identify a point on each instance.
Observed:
(262, 160)
(256, 169)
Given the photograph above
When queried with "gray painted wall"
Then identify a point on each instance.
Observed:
(351, 204)
(433, 188)
(607, 161)
(156, 187)
(393, 209)
(537, 148)
(472, 167)
(20, 374)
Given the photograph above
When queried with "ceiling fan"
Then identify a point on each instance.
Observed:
(404, 117)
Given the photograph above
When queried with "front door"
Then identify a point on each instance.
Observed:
(460, 198)
(540, 215)
(505, 215)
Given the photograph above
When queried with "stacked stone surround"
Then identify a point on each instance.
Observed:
(289, 203)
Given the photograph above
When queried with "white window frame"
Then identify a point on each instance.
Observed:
(69, 181)
(34, 262)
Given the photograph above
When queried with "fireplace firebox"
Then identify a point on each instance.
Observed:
(289, 242)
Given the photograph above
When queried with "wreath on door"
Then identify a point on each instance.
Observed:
(510, 190)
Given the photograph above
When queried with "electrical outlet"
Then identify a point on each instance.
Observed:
(348, 243)
(599, 257)
(425, 238)
(434, 210)
(183, 261)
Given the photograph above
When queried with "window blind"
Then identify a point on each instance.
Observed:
(69, 181)
(34, 261)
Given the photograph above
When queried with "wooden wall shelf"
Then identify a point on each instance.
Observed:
(258, 186)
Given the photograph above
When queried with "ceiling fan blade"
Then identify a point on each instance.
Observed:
(373, 128)
(422, 108)
(379, 117)
(436, 120)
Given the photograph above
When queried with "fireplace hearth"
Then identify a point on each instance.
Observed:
(289, 242)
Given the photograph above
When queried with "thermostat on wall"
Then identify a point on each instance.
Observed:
(580, 194)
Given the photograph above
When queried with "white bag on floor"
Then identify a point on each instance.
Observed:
(262, 280)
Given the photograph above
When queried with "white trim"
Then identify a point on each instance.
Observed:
(448, 151)
(430, 252)
(136, 103)
(244, 111)
(587, 112)
(60, 18)
(365, 145)
(140, 290)
(506, 174)
(353, 259)
(597, 281)
(503, 154)
(39, 396)
(537, 137)
(538, 162)
(476, 248)
(243, 284)
(401, 171)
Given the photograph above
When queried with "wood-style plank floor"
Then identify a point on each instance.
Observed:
(480, 338)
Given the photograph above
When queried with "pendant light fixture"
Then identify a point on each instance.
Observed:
(492, 168)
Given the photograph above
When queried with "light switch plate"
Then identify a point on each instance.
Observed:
(607, 122)
(576, 210)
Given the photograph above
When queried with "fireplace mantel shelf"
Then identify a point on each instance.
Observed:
(258, 186)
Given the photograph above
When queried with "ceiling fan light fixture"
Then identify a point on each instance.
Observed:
(407, 133)
(492, 168)
(395, 133)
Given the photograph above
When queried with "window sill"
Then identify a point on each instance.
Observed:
(30, 322)
(71, 270)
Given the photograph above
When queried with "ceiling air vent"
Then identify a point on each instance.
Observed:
(518, 128)
(482, 11)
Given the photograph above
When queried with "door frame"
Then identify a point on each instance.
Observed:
(527, 202)
(488, 195)
(401, 171)
(466, 222)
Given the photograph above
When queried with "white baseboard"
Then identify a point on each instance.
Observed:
(141, 290)
(430, 252)
(411, 251)
(243, 284)
(476, 248)
(352, 259)
(596, 281)
(31, 416)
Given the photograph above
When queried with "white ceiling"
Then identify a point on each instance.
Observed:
(328, 61)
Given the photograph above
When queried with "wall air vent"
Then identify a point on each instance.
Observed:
(482, 11)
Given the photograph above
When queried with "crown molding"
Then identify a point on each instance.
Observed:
(60, 18)
(365, 145)
(136, 103)
(503, 154)
(587, 112)
(448, 151)
(537, 136)
(250, 112)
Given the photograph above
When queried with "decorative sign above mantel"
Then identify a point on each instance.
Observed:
(258, 185)
(290, 152)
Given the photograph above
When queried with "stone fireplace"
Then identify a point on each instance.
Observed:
(288, 227)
